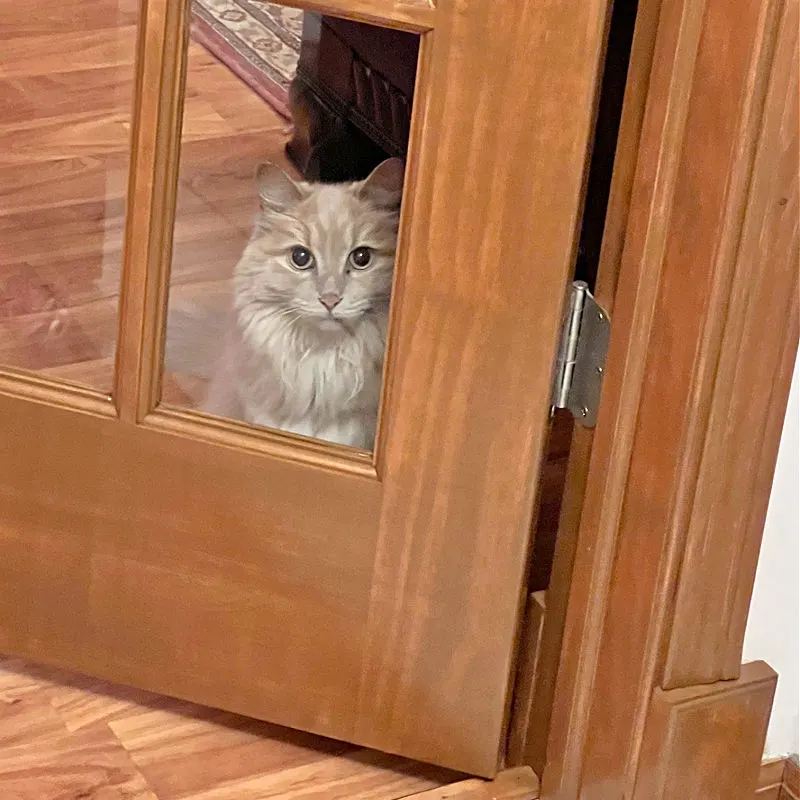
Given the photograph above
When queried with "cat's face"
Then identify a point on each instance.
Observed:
(322, 255)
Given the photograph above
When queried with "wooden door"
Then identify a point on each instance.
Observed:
(371, 598)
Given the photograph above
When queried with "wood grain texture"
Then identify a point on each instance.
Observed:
(757, 279)
(663, 375)
(530, 652)
(771, 780)
(350, 602)
(692, 733)
(289, 598)
(66, 735)
(65, 100)
(558, 590)
(790, 785)
(514, 784)
(550, 500)
(454, 456)
(407, 15)
(158, 111)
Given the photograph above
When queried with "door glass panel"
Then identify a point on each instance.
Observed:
(294, 137)
(66, 78)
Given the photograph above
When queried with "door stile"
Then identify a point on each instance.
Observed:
(155, 150)
(496, 248)
(531, 745)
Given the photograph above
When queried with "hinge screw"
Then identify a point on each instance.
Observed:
(584, 412)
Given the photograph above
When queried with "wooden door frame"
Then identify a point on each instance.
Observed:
(642, 635)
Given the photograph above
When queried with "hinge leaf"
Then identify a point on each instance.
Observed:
(580, 366)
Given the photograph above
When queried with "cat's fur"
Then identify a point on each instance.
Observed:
(289, 362)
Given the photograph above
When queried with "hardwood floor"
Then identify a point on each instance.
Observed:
(69, 737)
(64, 737)
(66, 79)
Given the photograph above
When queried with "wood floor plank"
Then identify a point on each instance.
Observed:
(19, 678)
(513, 784)
(28, 721)
(82, 133)
(81, 765)
(222, 171)
(82, 259)
(28, 98)
(68, 51)
(181, 755)
(209, 79)
(56, 234)
(94, 231)
(27, 187)
(364, 775)
(36, 18)
(63, 336)
(88, 703)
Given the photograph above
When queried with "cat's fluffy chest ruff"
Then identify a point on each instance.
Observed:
(324, 384)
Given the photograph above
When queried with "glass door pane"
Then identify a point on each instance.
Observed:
(294, 136)
(66, 82)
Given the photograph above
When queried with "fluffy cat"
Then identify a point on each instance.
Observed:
(305, 346)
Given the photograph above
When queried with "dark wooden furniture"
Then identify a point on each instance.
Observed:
(351, 100)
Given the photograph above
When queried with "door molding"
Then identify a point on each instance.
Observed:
(702, 351)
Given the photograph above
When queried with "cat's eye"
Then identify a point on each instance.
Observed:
(302, 258)
(361, 257)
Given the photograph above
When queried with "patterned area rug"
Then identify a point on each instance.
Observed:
(258, 41)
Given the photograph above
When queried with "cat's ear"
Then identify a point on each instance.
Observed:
(276, 190)
(385, 182)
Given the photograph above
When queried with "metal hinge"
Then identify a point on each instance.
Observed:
(581, 356)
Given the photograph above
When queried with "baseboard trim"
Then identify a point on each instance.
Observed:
(779, 779)
(704, 742)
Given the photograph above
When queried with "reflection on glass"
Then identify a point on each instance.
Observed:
(295, 130)
(66, 77)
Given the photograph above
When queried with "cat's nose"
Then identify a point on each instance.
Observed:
(330, 300)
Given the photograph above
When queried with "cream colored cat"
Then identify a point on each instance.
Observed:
(305, 347)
